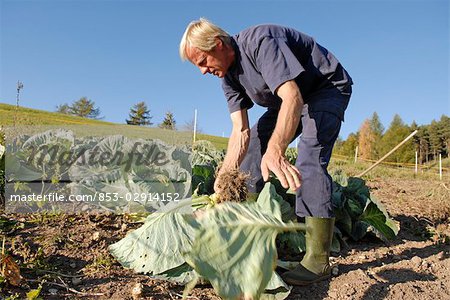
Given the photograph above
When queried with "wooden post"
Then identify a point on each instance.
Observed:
(440, 166)
(356, 154)
(387, 154)
(415, 169)
(195, 124)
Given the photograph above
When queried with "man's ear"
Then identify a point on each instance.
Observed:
(219, 43)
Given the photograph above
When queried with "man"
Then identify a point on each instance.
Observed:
(306, 90)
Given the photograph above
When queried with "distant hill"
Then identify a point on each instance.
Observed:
(31, 120)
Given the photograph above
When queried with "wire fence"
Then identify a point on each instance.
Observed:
(421, 168)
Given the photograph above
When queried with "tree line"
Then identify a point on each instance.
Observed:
(373, 141)
(139, 114)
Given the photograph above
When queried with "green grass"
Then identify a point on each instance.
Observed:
(28, 116)
(435, 163)
(218, 142)
(33, 120)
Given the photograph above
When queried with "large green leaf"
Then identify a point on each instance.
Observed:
(269, 201)
(203, 179)
(204, 153)
(142, 170)
(16, 170)
(292, 241)
(182, 274)
(343, 220)
(50, 137)
(276, 289)
(354, 208)
(357, 190)
(376, 216)
(357, 212)
(235, 248)
(273, 203)
(158, 245)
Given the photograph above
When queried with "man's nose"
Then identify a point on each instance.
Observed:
(204, 70)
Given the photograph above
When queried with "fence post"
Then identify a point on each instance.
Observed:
(195, 124)
(415, 169)
(440, 166)
(356, 154)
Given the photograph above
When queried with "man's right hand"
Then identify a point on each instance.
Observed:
(217, 183)
(237, 144)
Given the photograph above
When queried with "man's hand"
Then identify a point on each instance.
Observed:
(287, 123)
(288, 174)
(237, 144)
(217, 183)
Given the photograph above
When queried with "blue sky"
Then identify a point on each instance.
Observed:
(118, 53)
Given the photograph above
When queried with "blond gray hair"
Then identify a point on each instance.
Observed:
(202, 34)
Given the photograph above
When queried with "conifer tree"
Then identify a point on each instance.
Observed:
(424, 144)
(377, 129)
(139, 115)
(168, 122)
(436, 140)
(85, 108)
(350, 144)
(396, 133)
(445, 125)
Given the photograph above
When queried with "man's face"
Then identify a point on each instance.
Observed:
(216, 61)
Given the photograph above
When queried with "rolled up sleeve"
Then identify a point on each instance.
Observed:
(237, 99)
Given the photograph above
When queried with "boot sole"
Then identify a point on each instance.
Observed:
(303, 283)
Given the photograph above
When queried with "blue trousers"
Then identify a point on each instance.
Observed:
(318, 132)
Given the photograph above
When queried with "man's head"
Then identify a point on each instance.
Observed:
(208, 47)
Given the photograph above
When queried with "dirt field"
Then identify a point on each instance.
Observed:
(68, 255)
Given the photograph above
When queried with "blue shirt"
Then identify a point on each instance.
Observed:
(266, 56)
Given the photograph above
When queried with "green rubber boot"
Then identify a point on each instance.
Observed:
(315, 264)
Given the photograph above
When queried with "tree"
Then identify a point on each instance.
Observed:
(436, 140)
(445, 125)
(424, 143)
(63, 109)
(349, 145)
(416, 138)
(396, 133)
(377, 129)
(376, 125)
(337, 148)
(168, 122)
(189, 126)
(85, 108)
(366, 140)
(139, 115)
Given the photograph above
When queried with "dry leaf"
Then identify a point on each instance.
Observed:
(10, 270)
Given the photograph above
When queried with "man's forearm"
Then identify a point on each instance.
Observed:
(237, 148)
(287, 121)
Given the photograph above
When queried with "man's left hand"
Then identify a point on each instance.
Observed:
(288, 174)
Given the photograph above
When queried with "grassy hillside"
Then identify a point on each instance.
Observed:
(28, 116)
(32, 120)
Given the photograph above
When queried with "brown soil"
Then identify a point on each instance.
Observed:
(416, 265)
